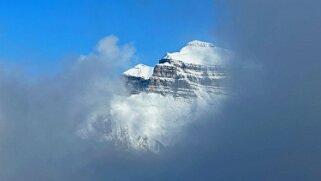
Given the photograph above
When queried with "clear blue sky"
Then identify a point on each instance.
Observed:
(38, 33)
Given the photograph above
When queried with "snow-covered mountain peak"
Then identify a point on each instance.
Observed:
(197, 43)
(201, 53)
(140, 70)
(197, 66)
(162, 99)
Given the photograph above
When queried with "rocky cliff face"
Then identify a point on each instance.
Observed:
(178, 78)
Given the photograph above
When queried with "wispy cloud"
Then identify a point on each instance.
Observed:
(39, 119)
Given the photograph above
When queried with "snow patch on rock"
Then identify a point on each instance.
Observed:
(140, 70)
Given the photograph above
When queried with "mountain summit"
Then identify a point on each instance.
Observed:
(197, 66)
(199, 52)
(197, 43)
(163, 99)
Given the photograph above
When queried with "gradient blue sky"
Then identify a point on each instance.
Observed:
(39, 34)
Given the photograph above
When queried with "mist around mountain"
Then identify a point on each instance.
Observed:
(163, 100)
(62, 127)
(269, 131)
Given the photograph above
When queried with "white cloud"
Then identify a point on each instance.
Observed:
(156, 118)
(110, 52)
